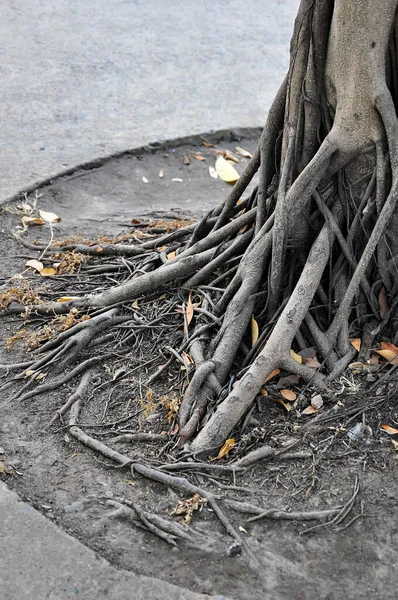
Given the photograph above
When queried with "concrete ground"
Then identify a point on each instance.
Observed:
(81, 80)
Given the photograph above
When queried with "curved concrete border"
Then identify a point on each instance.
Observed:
(214, 137)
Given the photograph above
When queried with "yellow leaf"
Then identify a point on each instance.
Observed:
(29, 372)
(67, 298)
(296, 357)
(198, 156)
(171, 255)
(274, 373)
(310, 410)
(229, 444)
(254, 331)
(264, 392)
(395, 444)
(48, 272)
(34, 264)
(49, 217)
(288, 395)
(227, 172)
(356, 343)
(389, 430)
(243, 152)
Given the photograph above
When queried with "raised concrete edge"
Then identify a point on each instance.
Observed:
(40, 560)
(214, 137)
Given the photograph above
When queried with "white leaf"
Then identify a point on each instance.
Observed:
(49, 217)
(213, 173)
(34, 264)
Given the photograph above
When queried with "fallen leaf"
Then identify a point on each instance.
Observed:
(296, 357)
(389, 430)
(310, 410)
(229, 444)
(32, 221)
(207, 144)
(186, 160)
(41, 376)
(313, 363)
(178, 179)
(317, 401)
(29, 373)
(175, 429)
(198, 156)
(49, 217)
(226, 172)
(356, 343)
(383, 303)
(136, 221)
(213, 173)
(188, 359)
(395, 444)
(286, 405)
(389, 355)
(135, 304)
(189, 310)
(161, 173)
(388, 346)
(1, 467)
(171, 255)
(243, 152)
(67, 298)
(144, 179)
(228, 155)
(242, 529)
(254, 328)
(289, 395)
(264, 392)
(274, 373)
(48, 272)
(34, 264)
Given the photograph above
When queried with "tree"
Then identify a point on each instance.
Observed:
(311, 252)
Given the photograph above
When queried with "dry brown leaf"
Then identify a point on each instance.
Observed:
(48, 272)
(171, 255)
(225, 171)
(207, 144)
(389, 346)
(383, 303)
(32, 221)
(254, 328)
(389, 430)
(274, 373)
(296, 356)
(175, 429)
(230, 156)
(310, 410)
(186, 160)
(189, 310)
(188, 359)
(243, 152)
(313, 363)
(390, 355)
(49, 217)
(264, 392)
(289, 395)
(198, 156)
(34, 264)
(356, 342)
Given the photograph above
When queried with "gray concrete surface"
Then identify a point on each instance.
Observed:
(83, 79)
(39, 561)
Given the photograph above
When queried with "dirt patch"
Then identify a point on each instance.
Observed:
(77, 487)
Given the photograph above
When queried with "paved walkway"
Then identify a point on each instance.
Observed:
(83, 79)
